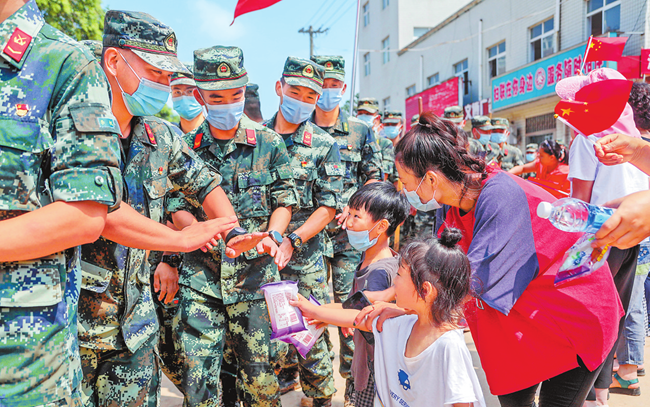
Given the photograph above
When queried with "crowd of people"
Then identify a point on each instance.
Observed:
(135, 247)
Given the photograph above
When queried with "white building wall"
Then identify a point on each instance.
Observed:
(457, 39)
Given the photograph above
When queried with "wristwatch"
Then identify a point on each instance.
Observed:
(296, 241)
(276, 237)
(234, 232)
(174, 260)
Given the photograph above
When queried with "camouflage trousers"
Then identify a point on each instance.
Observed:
(422, 226)
(172, 362)
(202, 326)
(342, 267)
(316, 370)
(39, 350)
(121, 378)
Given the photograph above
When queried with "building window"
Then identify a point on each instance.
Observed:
(385, 46)
(410, 91)
(366, 14)
(386, 103)
(603, 16)
(385, 3)
(461, 70)
(542, 40)
(366, 63)
(497, 59)
(419, 31)
(433, 80)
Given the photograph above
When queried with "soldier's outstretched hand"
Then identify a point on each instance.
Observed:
(268, 246)
(285, 251)
(165, 282)
(202, 234)
(342, 217)
(239, 244)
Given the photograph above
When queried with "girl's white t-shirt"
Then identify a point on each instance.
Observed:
(610, 182)
(443, 374)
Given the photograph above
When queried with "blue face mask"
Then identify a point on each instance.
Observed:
(498, 137)
(330, 99)
(148, 99)
(295, 111)
(391, 132)
(361, 240)
(484, 139)
(224, 117)
(187, 107)
(414, 199)
(530, 157)
(367, 118)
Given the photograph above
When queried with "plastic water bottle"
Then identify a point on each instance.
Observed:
(574, 215)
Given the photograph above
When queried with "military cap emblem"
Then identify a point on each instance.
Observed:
(21, 109)
(329, 66)
(308, 71)
(170, 42)
(223, 71)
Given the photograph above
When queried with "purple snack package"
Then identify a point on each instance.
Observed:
(305, 340)
(285, 319)
(581, 260)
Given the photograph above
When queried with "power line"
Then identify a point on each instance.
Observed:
(326, 15)
(317, 11)
(311, 33)
(339, 16)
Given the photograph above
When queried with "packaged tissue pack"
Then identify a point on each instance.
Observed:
(285, 319)
(305, 340)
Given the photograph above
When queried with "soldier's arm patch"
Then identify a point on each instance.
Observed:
(285, 172)
(335, 169)
(91, 117)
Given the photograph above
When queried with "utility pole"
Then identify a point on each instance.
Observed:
(311, 33)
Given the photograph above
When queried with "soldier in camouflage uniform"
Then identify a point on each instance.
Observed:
(187, 107)
(391, 132)
(368, 112)
(455, 115)
(118, 327)
(482, 131)
(220, 297)
(361, 156)
(252, 104)
(59, 175)
(318, 173)
(511, 156)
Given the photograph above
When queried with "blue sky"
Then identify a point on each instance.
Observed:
(266, 36)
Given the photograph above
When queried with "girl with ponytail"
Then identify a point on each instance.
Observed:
(526, 330)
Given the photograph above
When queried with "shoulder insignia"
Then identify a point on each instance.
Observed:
(306, 138)
(17, 44)
(152, 139)
(197, 141)
(251, 138)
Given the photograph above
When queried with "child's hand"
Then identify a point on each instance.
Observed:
(306, 307)
(347, 332)
(383, 310)
(319, 324)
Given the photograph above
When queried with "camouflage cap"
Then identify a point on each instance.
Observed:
(95, 47)
(219, 68)
(415, 119)
(370, 105)
(252, 90)
(392, 117)
(531, 147)
(481, 122)
(147, 37)
(303, 72)
(500, 123)
(181, 78)
(454, 114)
(334, 66)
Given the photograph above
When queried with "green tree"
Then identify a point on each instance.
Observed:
(346, 105)
(80, 19)
(168, 114)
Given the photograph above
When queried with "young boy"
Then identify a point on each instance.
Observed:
(375, 212)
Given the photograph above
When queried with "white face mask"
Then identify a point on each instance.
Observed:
(414, 199)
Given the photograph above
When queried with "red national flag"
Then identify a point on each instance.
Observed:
(604, 49)
(629, 66)
(246, 6)
(596, 107)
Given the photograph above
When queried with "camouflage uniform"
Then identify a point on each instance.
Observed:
(387, 148)
(95, 48)
(59, 143)
(490, 152)
(511, 156)
(252, 103)
(220, 297)
(361, 156)
(318, 173)
(118, 326)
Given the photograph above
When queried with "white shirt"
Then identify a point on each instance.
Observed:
(442, 374)
(610, 182)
